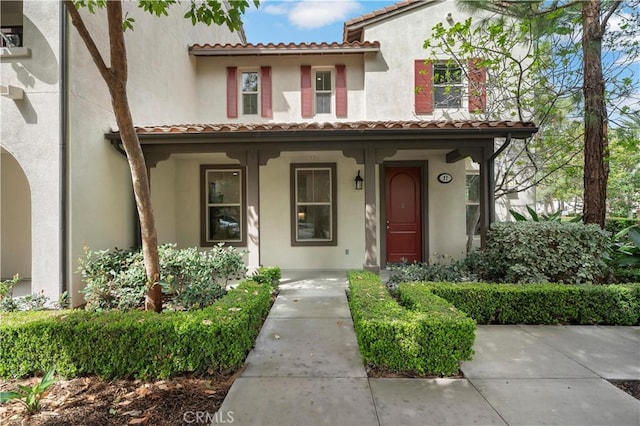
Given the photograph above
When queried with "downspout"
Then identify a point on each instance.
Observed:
(504, 146)
(64, 170)
(137, 237)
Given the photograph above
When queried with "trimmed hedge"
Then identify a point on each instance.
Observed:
(538, 303)
(136, 344)
(430, 340)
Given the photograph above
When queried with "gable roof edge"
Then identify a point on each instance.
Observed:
(354, 27)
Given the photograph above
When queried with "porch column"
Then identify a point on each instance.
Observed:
(487, 207)
(253, 210)
(371, 262)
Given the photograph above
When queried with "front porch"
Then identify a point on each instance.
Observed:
(267, 154)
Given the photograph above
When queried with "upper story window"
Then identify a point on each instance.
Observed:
(11, 24)
(447, 85)
(250, 92)
(323, 92)
(440, 85)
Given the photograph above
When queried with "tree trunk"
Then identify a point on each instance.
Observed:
(596, 161)
(116, 78)
(142, 195)
(139, 177)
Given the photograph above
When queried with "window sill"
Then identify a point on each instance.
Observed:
(15, 52)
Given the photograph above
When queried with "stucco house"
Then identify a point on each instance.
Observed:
(323, 156)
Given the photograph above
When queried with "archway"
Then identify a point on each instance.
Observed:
(15, 223)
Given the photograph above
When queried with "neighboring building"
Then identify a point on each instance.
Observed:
(295, 125)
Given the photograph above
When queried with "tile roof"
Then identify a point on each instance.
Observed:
(249, 49)
(358, 126)
(381, 12)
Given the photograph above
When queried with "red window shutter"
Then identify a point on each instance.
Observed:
(306, 91)
(423, 83)
(341, 91)
(477, 86)
(265, 92)
(232, 92)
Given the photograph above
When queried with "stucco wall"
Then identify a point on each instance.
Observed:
(390, 73)
(30, 132)
(275, 211)
(162, 90)
(15, 226)
(285, 78)
(446, 207)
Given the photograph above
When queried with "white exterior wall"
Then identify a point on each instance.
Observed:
(390, 74)
(285, 87)
(162, 90)
(275, 214)
(30, 132)
(15, 226)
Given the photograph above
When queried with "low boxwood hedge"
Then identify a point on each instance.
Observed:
(134, 344)
(538, 303)
(432, 339)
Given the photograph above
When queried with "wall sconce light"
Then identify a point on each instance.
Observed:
(449, 18)
(302, 216)
(359, 182)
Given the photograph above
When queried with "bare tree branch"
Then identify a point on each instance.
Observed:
(77, 21)
(614, 6)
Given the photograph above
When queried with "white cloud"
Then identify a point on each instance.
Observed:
(275, 9)
(309, 14)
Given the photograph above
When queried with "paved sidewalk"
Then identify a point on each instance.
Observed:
(306, 370)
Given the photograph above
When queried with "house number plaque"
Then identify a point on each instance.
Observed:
(445, 178)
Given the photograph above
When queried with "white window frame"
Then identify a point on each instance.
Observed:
(467, 202)
(444, 85)
(256, 92)
(331, 91)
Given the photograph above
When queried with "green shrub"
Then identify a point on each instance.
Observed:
(534, 252)
(135, 344)
(617, 224)
(543, 303)
(268, 275)
(432, 340)
(442, 269)
(116, 279)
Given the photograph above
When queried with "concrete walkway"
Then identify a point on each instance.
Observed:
(306, 370)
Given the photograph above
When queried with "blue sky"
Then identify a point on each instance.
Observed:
(304, 20)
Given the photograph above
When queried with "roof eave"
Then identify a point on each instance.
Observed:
(323, 134)
(279, 52)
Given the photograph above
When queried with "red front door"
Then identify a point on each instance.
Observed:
(403, 222)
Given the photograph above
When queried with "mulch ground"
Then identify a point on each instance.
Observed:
(92, 401)
(632, 387)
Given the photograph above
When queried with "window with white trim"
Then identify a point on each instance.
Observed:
(314, 210)
(249, 88)
(323, 91)
(223, 205)
(447, 85)
(472, 200)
